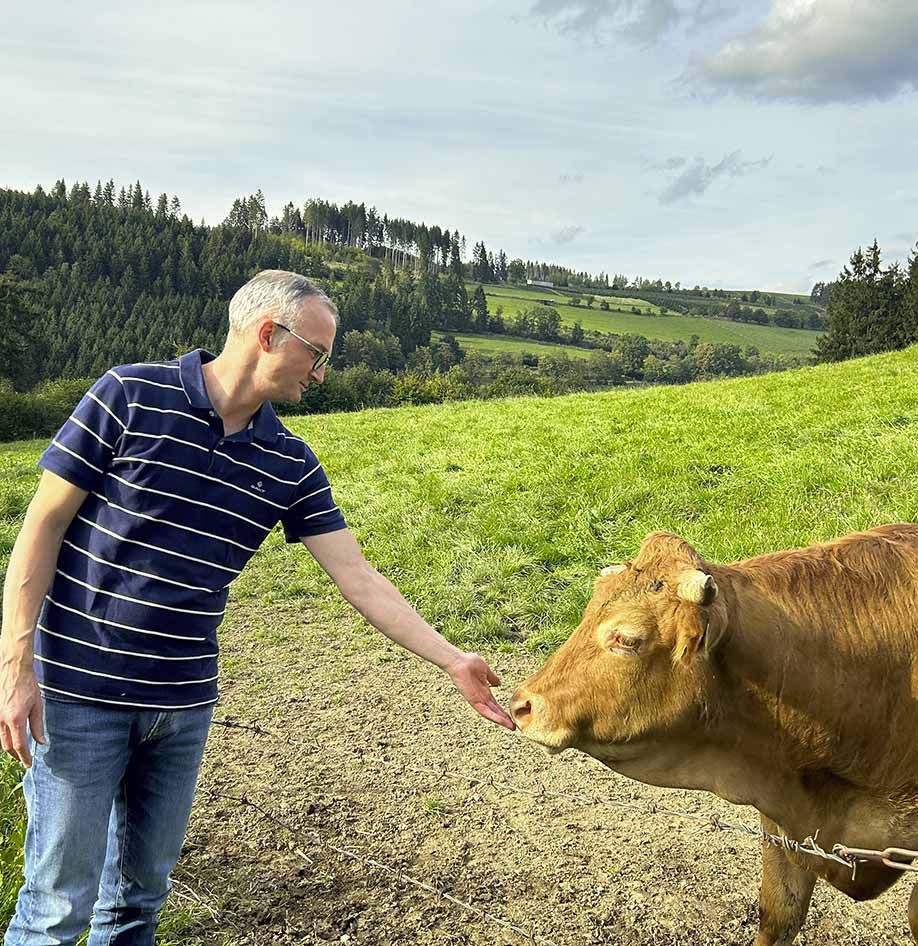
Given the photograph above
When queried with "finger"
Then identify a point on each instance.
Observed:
(493, 678)
(36, 722)
(21, 745)
(6, 744)
(495, 713)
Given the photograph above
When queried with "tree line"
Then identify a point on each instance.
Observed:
(870, 308)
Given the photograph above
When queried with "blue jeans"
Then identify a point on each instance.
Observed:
(108, 798)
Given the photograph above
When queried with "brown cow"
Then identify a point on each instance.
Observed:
(787, 681)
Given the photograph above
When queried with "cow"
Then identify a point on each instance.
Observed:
(787, 681)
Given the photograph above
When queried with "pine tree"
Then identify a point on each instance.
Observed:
(481, 321)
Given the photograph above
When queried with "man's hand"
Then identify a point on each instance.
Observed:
(473, 678)
(20, 700)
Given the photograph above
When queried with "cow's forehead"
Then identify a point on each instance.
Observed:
(619, 590)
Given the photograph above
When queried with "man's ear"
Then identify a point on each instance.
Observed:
(266, 335)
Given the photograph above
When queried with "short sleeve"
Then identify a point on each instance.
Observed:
(312, 510)
(82, 450)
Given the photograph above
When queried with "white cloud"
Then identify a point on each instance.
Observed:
(567, 234)
(822, 51)
(642, 21)
(699, 176)
(670, 164)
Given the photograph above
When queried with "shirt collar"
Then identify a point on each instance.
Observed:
(264, 424)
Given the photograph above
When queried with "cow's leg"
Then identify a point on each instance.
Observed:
(785, 895)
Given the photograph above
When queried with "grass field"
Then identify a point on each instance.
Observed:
(494, 517)
(672, 327)
(498, 344)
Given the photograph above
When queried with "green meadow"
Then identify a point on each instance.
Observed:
(495, 517)
(671, 327)
(499, 344)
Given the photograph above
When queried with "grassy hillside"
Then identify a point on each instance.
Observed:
(495, 516)
(670, 327)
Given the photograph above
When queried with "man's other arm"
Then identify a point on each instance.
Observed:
(28, 577)
(380, 602)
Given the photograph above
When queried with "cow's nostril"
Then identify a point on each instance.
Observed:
(521, 712)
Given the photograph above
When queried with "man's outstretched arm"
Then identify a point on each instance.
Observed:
(380, 602)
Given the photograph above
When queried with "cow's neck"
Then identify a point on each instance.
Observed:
(788, 696)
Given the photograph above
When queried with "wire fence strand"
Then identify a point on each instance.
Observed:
(849, 857)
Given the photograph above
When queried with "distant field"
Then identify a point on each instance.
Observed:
(767, 338)
(532, 295)
(496, 344)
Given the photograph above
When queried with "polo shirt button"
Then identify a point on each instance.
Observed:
(212, 413)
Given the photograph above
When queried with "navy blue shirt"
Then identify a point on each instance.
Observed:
(175, 510)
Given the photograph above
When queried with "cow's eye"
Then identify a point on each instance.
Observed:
(655, 586)
(623, 643)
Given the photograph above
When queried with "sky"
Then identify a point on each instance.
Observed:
(722, 143)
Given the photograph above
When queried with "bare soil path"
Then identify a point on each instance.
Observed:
(356, 735)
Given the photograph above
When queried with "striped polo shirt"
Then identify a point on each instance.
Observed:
(175, 510)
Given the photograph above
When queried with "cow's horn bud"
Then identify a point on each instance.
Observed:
(697, 586)
(613, 570)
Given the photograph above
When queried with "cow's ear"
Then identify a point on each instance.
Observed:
(690, 633)
(615, 569)
(698, 630)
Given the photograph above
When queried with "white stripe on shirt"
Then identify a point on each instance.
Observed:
(125, 627)
(146, 604)
(158, 384)
(175, 525)
(306, 477)
(283, 456)
(105, 407)
(197, 446)
(166, 410)
(60, 446)
(80, 423)
(158, 548)
(316, 492)
(127, 653)
(134, 571)
(203, 476)
(98, 699)
(112, 676)
(195, 502)
(321, 512)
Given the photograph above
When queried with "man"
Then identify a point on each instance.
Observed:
(155, 493)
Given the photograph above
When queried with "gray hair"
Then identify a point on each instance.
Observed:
(278, 293)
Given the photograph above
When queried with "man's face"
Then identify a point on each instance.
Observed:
(294, 369)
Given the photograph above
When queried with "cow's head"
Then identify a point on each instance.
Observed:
(635, 669)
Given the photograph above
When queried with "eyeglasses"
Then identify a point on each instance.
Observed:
(322, 355)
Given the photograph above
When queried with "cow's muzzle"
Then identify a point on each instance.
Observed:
(529, 713)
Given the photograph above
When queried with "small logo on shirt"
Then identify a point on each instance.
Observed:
(258, 487)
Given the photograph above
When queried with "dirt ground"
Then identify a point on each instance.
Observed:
(349, 740)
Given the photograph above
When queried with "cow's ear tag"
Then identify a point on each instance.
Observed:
(614, 569)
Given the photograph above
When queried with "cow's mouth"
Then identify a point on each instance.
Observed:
(552, 743)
